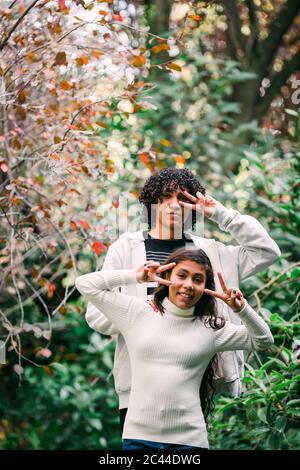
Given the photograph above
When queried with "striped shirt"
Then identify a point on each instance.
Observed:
(160, 250)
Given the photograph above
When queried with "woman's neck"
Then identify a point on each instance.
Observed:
(177, 311)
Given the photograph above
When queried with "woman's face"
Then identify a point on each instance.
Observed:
(188, 282)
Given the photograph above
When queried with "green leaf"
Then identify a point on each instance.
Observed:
(261, 413)
(59, 367)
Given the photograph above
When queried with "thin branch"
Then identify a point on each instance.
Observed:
(277, 81)
(40, 299)
(12, 4)
(80, 111)
(14, 27)
(268, 284)
(234, 27)
(253, 39)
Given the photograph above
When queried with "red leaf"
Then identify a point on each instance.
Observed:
(138, 61)
(117, 17)
(61, 58)
(115, 201)
(54, 156)
(62, 5)
(144, 158)
(73, 225)
(98, 247)
(44, 352)
(84, 224)
(74, 128)
(51, 289)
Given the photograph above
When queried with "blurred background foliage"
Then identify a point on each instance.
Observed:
(218, 98)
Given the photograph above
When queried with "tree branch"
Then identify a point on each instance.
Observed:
(3, 43)
(234, 27)
(277, 80)
(278, 28)
(253, 39)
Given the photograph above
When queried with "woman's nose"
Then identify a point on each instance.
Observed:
(188, 283)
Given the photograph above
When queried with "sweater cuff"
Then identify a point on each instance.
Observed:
(129, 276)
(245, 310)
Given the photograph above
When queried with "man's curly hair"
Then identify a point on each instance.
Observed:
(168, 180)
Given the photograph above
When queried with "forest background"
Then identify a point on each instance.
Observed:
(95, 97)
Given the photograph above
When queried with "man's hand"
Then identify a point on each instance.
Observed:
(201, 203)
(148, 272)
(231, 296)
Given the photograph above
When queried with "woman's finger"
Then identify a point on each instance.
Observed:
(222, 282)
(165, 267)
(160, 280)
(215, 294)
(152, 263)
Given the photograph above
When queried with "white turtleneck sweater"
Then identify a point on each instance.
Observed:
(169, 354)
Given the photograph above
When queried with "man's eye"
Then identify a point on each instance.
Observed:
(184, 199)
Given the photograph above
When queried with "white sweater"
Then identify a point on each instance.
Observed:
(255, 250)
(169, 354)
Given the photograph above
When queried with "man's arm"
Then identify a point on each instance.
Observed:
(94, 317)
(256, 249)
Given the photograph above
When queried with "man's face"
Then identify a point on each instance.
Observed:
(170, 213)
(188, 282)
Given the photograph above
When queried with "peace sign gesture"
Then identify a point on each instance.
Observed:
(148, 272)
(201, 203)
(231, 296)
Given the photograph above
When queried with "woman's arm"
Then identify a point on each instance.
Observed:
(121, 309)
(96, 319)
(97, 288)
(253, 334)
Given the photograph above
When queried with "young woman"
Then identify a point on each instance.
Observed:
(171, 350)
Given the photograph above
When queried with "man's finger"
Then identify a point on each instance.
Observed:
(200, 196)
(215, 294)
(189, 196)
(222, 282)
(187, 205)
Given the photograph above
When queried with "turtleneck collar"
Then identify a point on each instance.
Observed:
(179, 312)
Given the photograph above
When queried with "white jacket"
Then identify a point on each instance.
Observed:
(256, 251)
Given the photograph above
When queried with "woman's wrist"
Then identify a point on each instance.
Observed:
(139, 277)
(243, 305)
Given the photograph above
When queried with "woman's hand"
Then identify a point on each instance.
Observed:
(148, 272)
(231, 296)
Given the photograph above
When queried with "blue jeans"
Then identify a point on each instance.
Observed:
(139, 444)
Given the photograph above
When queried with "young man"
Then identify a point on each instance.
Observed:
(169, 192)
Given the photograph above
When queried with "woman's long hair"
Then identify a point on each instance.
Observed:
(205, 309)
